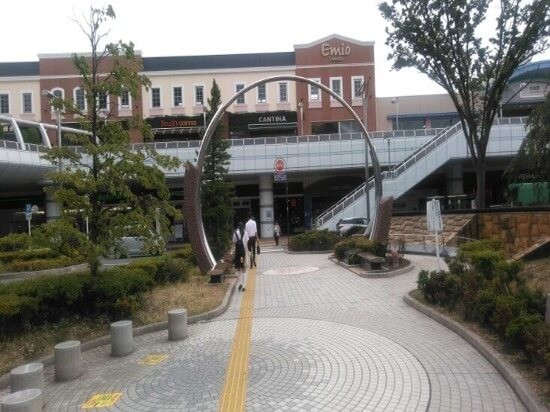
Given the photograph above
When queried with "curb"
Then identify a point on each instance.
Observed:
(306, 252)
(141, 330)
(66, 270)
(510, 374)
(373, 275)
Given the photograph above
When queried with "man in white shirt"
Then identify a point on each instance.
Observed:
(252, 232)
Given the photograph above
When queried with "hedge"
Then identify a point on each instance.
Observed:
(14, 242)
(486, 288)
(315, 240)
(360, 244)
(42, 264)
(44, 253)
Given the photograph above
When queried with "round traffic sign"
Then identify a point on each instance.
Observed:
(279, 165)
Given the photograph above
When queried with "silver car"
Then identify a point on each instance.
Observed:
(128, 246)
(350, 225)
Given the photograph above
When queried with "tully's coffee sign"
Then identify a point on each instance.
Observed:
(335, 53)
(175, 122)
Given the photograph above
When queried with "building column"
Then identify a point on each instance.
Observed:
(266, 205)
(453, 178)
(52, 207)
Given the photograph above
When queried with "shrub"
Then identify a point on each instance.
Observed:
(360, 243)
(148, 265)
(518, 329)
(44, 253)
(439, 287)
(172, 270)
(537, 342)
(314, 240)
(507, 308)
(483, 307)
(16, 312)
(186, 253)
(14, 242)
(547, 364)
(42, 264)
(62, 237)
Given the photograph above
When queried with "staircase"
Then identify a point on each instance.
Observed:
(505, 139)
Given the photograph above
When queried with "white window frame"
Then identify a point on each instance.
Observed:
(279, 92)
(75, 100)
(23, 93)
(339, 78)
(195, 102)
(129, 105)
(362, 80)
(5, 94)
(160, 97)
(55, 89)
(174, 87)
(258, 100)
(242, 96)
(319, 94)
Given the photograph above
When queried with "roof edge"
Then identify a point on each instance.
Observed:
(332, 36)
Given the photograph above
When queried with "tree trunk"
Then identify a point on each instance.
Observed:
(480, 169)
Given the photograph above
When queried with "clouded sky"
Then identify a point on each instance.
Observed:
(187, 27)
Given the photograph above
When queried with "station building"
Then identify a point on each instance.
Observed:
(276, 112)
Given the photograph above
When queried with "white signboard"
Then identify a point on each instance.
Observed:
(433, 216)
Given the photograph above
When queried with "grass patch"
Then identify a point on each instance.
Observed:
(195, 295)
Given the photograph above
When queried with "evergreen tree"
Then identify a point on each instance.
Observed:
(216, 188)
(116, 188)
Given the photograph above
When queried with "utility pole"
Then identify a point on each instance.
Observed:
(365, 96)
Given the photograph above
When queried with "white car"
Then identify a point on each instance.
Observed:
(129, 246)
(353, 224)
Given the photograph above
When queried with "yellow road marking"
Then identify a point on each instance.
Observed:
(153, 359)
(233, 397)
(102, 400)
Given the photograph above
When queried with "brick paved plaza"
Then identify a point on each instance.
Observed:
(322, 338)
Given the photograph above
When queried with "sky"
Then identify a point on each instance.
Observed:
(183, 27)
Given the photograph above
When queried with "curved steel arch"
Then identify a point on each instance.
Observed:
(216, 120)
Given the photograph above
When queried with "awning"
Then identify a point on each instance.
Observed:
(179, 130)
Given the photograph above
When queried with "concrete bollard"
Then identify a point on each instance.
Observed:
(27, 376)
(27, 400)
(68, 360)
(177, 324)
(547, 314)
(122, 338)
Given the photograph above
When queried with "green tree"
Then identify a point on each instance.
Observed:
(117, 188)
(216, 188)
(444, 39)
(532, 163)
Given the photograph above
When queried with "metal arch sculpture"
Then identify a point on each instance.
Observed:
(194, 221)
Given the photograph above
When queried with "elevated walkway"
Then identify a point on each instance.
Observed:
(505, 139)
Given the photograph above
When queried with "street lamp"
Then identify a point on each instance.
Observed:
(51, 96)
(364, 98)
(389, 152)
(301, 107)
(395, 100)
(204, 117)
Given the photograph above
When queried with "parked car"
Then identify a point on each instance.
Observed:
(129, 246)
(351, 225)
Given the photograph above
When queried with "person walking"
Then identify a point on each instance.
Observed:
(240, 238)
(252, 232)
(276, 233)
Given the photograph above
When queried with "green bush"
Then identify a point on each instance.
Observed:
(14, 242)
(16, 313)
(42, 264)
(186, 253)
(172, 270)
(439, 287)
(61, 236)
(519, 328)
(44, 253)
(507, 308)
(149, 265)
(314, 240)
(483, 307)
(361, 244)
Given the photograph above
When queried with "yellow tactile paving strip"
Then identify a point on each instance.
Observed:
(233, 396)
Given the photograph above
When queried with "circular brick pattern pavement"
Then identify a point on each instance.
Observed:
(299, 364)
(291, 270)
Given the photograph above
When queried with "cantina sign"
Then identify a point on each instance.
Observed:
(335, 53)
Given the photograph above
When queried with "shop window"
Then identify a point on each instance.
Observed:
(155, 97)
(4, 103)
(262, 93)
(336, 85)
(177, 94)
(357, 86)
(199, 95)
(324, 128)
(79, 99)
(283, 92)
(27, 102)
(238, 88)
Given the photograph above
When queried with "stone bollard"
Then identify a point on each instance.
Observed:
(27, 376)
(547, 314)
(177, 324)
(122, 338)
(27, 400)
(68, 361)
